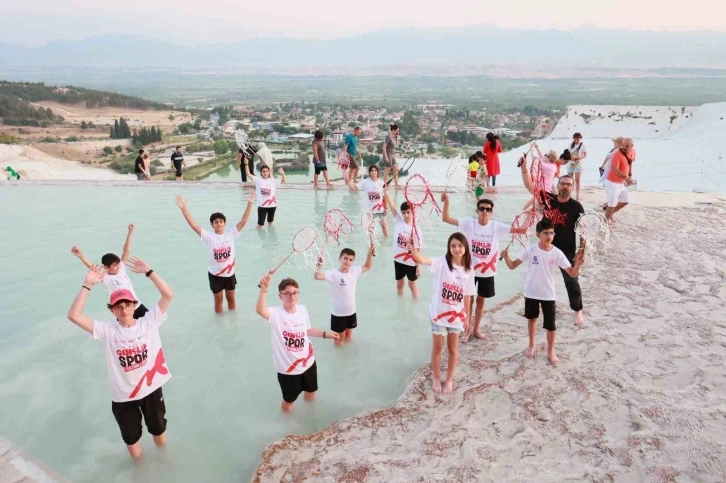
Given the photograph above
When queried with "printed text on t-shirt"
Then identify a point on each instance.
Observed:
(132, 358)
(294, 341)
(452, 294)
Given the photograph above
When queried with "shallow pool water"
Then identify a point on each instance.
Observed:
(223, 398)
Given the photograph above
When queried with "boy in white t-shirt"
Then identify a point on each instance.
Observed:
(484, 236)
(450, 301)
(404, 264)
(343, 282)
(292, 352)
(220, 251)
(539, 287)
(116, 277)
(374, 189)
(134, 356)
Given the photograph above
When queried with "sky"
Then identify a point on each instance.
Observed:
(218, 21)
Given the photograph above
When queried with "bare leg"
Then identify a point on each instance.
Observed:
(619, 207)
(348, 335)
(395, 174)
(467, 333)
(219, 302)
(478, 315)
(134, 449)
(160, 440)
(414, 288)
(399, 287)
(578, 177)
(532, 327)
(384, 227)
(231, 302)
(327, 180)
(609, 214)
(385, 175)
(438, 346)
(341, 339)
(286, 406)
(452, 341)
(309, 396)
(551, 347)
(315, 182)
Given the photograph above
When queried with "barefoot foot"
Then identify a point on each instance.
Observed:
(529, 352)
(465, 337)
(579, 319)
(554, 360)
(449, 386)
(437, 386)
(479, 335)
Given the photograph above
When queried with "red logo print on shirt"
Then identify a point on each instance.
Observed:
(269, 201)
(452, 294)
(159, 368)
(221, 254)
(484, 266)
(480, 249)
(452, 315)
(227, 269)
(132, 358)
(557, 217)
(294, 341)
(302, 361)
(265, 192)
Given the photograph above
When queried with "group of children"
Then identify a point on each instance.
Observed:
(135, 358)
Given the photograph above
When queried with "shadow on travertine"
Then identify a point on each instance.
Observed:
(638, 394)
(17, 467)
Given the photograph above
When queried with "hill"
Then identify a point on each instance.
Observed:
(17, 99)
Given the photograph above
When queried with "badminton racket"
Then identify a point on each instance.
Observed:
(301, 243)
(418, 194)
(368, 225)
(335, 225)
(521, 224)
(404, 170)
(241, 138)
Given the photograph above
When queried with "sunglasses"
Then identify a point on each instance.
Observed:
(484, 209)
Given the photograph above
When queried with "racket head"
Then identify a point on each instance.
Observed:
(416, 191)
(343, 159)
(241, 138)
(304, 239)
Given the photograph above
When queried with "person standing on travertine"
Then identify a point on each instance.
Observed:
(620, 176)
(351, 147)
(492, 147)
(578, 151)
(177, 163)
(389, 155)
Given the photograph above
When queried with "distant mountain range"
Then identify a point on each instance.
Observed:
(485, 44)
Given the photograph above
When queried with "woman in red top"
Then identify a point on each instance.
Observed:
(492, 148)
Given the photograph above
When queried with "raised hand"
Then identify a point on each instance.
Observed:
(131, 227)
(251, 196)
(280, 171)
(444, 197)
(180, 201)
(137, 265)
(95, 275)
(77, 251)
(504, 253)
(264, 283)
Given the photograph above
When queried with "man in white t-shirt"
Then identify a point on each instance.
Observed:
(292, 352)
(484, 236)
(134, 356)
(116, 277)
(539, 287)
(343, 282)
(404, 264)
(374, 189)
(220, 251)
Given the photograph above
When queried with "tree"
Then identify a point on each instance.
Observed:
(108, 150)
(448, 152)
(118, 149)
(409, 125)
(184, 128)
(115, 131)
(430, 149)
(112, 134)
(371, 148)
(84, 125)
(6, 138)
(221, 146)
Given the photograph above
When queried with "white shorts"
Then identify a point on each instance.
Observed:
(616, 193)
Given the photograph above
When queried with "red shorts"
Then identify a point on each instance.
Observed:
(472, 174)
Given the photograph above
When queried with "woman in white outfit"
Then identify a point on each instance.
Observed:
(265, 155)
(574, 167)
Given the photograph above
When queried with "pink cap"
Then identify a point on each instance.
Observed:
(121, 294)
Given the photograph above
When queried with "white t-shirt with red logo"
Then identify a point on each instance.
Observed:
(484, 244)
(119, 281)
(540, 282)
(374, 193)
(447, 296)
(220, 257)
(135, 359)
(292, 351)
(401, 236)
(265, 189)
(342, 290)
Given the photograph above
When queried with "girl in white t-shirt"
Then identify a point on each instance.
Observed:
(265, 187)
(374, 188)
(539, 287)
(292, 352)
(450, 300)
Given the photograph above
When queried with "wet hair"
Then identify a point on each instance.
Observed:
(543, 225)
(485, 201)
(110, 307)
(141, 151)
(492, 141)
(576, 135)
(566, 155)
(393, 127)
(217, 216)
(372, 167)
(319, 135)
(405, 206)
(347, 251)
(286, 282)
(466, 259)
(109, 259)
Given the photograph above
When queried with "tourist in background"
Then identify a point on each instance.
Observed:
(177, 163)
(605, 167)
(492, 148)
(351, 147)
(619, 177)
(265, 155)
(247, 152)
(140, 170)
(147, 165)
(574, 167)
(319, 159)
(389, 156)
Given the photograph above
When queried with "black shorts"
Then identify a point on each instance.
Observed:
(178, 169)
(340, 323)
(263, 212)
(320, 168)
(293, 385)
(217, 283)
(484, 286)
(128, 416)
(140, 311)
(531, 311)
(403, 270)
